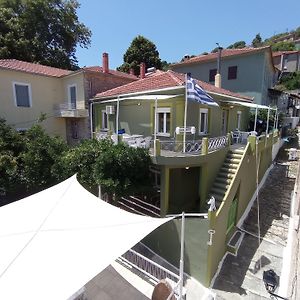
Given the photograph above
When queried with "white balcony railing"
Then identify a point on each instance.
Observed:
(216, 143)
(191, 147)
(67, 109)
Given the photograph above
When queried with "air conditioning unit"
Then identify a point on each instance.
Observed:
(110, 109)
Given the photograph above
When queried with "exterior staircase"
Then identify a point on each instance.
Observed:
(226, 174)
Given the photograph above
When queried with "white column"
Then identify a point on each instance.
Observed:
(255, 120)
(268, 118)
(185, 114)
(181, 263)
(155, 124)
(117, 116)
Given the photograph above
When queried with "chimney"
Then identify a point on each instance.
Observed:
(142, 70)
(131, 71)
(105, 62)
(218, 75)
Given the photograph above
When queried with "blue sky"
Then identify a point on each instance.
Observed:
(179, 27)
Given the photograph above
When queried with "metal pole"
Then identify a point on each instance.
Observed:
(267, 129)
(181, 263)
(255, 120)
(185, 114)
(155, 124)
(117, 116)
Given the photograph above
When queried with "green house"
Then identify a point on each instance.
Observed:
(216, 157)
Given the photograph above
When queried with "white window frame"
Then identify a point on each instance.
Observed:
(238, 120)
(69, 94)
(103, 114)
(164, 111)
(205, 111)
(14, 83)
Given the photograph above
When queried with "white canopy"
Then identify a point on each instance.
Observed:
(52, 243)
(252, 105)
(142, 97)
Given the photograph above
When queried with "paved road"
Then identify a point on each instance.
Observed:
(241, 276)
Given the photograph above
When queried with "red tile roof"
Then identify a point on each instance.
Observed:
(17, 65)
(33, 68)
(279, 53)
(161, 80)
(225, 53)
(112, 72)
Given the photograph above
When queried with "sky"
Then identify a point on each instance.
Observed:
(179, 27)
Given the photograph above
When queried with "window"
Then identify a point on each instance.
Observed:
(232, 72)
(22, 94)
(163, 121)
(203, 121)
(104, 119)
(238, 120)
(212, 74)
(72, 96)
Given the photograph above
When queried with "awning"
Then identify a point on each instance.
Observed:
(251, 105)
(142, 97)
(54, 242)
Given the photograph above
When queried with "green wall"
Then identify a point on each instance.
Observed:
(165, 241)
(243, 186)
(250, 73)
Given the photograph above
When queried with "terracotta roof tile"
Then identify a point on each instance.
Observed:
(14, 64)
(225, 53)
(163, 80)
(112, 72)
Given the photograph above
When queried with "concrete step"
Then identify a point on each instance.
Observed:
(225, 170)
(232, 161)
(226, 175)
(219, 185)
(234, 155)
(220, 179)
(230, 165)
(216, 191)
(237, 151)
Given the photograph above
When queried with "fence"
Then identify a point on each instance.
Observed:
(217, 143)
(148, 267)
(192, 147)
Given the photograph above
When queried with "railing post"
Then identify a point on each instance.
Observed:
(205, 146)
(252, 141)
(229, 139)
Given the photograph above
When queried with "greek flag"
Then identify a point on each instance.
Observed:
(197, 94)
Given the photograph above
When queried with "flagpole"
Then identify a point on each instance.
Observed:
(185, 114)
(155, 124)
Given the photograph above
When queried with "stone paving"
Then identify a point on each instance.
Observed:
(241, 276)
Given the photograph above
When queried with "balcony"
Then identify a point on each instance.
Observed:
(69, 110)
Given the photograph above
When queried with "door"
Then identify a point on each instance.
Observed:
(224, 121)
(232, 215)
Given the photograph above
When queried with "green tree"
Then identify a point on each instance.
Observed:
(257, 41)
(11, 145)
(140, 50)
(283, 46)
(237, 45)
(40, 159)
(122, 170)
(290, 81)
(42, 31)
